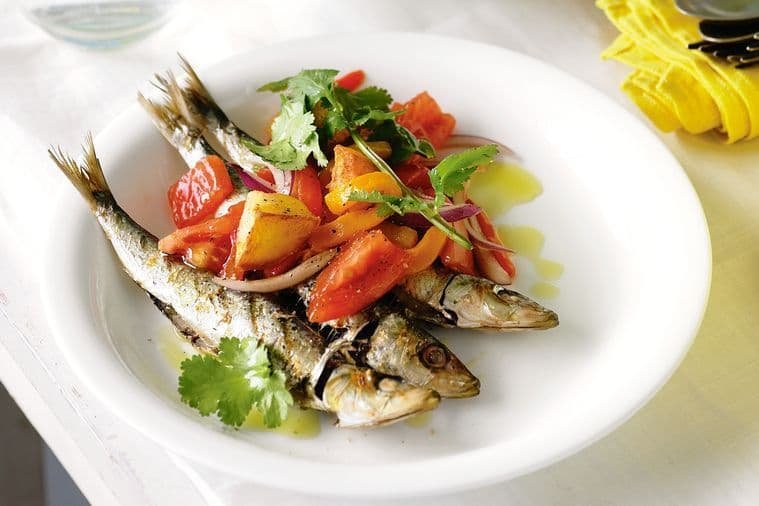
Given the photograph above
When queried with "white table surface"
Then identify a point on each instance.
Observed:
(696, 442)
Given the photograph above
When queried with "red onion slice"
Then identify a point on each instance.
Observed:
(459, 142)
(283, 180)
(457, 212)
(289, 279)
(479, 240)
(472, 141)
(252, 181)
(413, 220)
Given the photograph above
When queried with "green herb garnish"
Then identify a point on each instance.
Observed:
(230, 384)
(312, 94)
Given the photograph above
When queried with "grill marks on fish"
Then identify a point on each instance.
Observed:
(447, 298)
(207, 312)
(396, 344)
(390, 343)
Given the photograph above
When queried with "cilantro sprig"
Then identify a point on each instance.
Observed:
(313, 92)
(235, 381)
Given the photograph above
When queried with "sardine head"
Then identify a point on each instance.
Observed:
(479, 303)
(362, 398)
(519, 311)
(400, 348)
(448, 375)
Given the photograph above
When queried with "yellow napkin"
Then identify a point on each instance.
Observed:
(674, 86)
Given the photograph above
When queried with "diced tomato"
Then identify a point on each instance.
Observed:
(283, 265)
(206, 245)
(358, 276)
(503, 258)
(425, 119)
(231, 270)
(414, 174)
(210, 255)
(199, 192)
(457, 257)
(307, 188)
(266, 175)
(352, 80)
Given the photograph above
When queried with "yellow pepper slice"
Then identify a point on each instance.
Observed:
(337, 200)
(426, 251)
(344, 228)
(400, 235)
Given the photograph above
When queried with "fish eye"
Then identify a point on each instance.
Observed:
(433, 355)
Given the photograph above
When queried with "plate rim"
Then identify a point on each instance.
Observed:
(171, 434)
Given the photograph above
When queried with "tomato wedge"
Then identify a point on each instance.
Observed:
(230, 269)
(503, 258)
(352, 80)
(205, 245)
(284, 265)
(457, 257)
(210, 255)
(425, 119)
(199, 191)
(307, 188)
(414, 174)
(359, 275)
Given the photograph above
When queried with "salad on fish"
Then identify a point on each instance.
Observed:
(308, 267)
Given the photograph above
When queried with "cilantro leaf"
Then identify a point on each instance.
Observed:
(275, 86)
(403, 143)
(293, 139)
(372, 97)
(449, 176)
(235, 381)
(307, 86)
(273, 399)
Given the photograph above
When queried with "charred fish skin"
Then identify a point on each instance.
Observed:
(210, 312)
(400, 348)
(447, 298)
(202, 111)
(449, 379)
(463, 301)
(390, 343)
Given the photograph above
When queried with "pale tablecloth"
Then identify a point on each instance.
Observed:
(696, 442)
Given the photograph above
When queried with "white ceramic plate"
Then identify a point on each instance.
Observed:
(617, 211)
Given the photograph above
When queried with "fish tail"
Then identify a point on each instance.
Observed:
(164, 115)
(170, 115)
(197, 99)
(87, 176)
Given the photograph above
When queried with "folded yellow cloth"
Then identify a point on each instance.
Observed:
(674, 86)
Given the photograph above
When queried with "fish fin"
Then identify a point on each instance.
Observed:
(202, 343)
(86, 177)
(170, 117)
(196, 97)
(164, 116)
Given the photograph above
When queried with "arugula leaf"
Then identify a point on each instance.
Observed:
(235, 381)
(293, 139)
(390, 204)
(449, 176)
